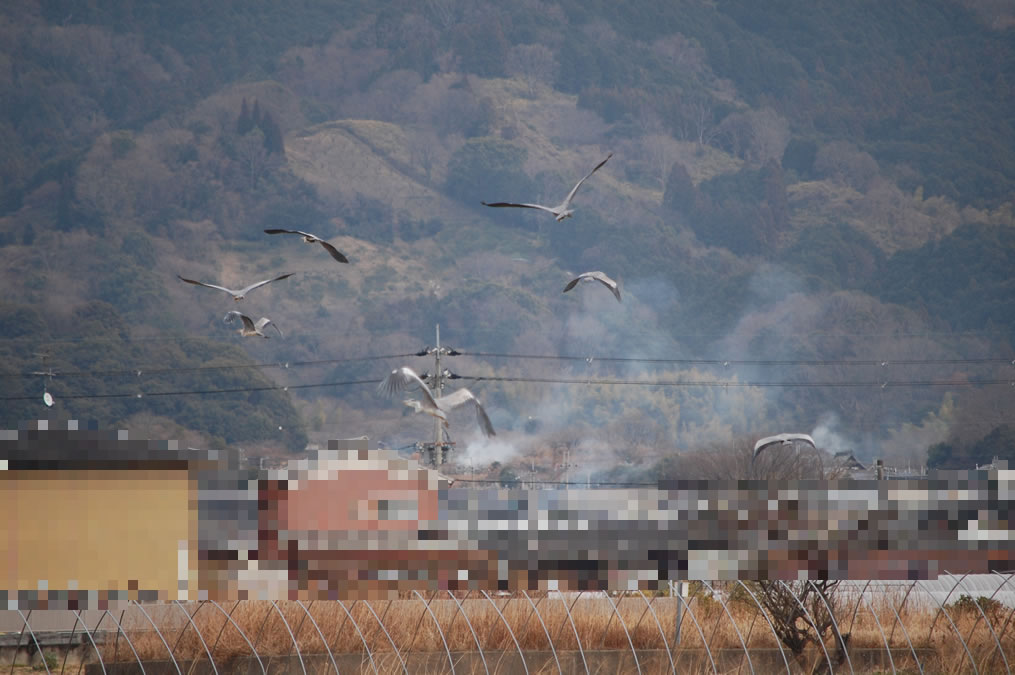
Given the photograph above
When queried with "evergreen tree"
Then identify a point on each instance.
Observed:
(680, 191)
(65, 204)
(255, 113)
(244, 122)
(799, 157)
(273, 141)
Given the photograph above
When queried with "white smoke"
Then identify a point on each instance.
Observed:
(827, 437)
(481, 451)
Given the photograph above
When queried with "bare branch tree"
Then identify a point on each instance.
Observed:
(253, 156)
(770, 134)
(446, 12)
(843, 161)
(423, 148)
(703, 121)
(736, 134)
(796, 628)
(535, 64)
(735, 461)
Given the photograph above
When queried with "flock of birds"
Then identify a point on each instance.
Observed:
(404, 377)
(560, 212)
(249, 327)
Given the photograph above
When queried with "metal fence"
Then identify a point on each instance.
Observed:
(954, 624)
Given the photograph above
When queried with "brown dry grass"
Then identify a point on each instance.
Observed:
(412, 629)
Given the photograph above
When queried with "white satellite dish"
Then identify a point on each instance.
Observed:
(47, 398)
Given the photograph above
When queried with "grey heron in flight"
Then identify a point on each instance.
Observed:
(314, 239)
(595, 276)
(782, 439)
(237, 295)
(562, 210)
(437, 407)
(251, 328)
(403, 377)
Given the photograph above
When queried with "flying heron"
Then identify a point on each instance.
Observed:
(562, 210)
(250, 328)
(403, 377)
(437, 407)
(237, 295)
(782, 439)
(314, 239)
(595, 276)
(461, 397)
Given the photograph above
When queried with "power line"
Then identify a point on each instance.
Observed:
(144, 370)
(198, 392)
(141, 370)
(545, 380)
(749, 362)
(727, 383)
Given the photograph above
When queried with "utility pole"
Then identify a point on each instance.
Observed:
(437, 452)
(567, 466)
(438, 387)
(47, 374)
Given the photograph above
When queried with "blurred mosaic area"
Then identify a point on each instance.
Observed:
(95, 519)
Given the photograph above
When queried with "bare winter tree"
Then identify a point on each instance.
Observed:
(535, 64)
(600, 32)
(683, 52)
(736, 134)
(803, 613)
(446, 13)
(702, 121)
(845, 162)
(253, 157)
(423, 149)
(735, 461)
(658, 151)
(769, 135)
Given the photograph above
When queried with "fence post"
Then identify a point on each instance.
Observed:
(675, 591)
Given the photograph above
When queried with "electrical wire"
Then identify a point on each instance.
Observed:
(548, 380)
(141, 370)
(144, 370)
(198, 392)
(749, 362)
(727, 383)
(35, 340)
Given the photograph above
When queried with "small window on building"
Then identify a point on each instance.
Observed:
(397, 509)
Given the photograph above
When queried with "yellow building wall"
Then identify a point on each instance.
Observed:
(96, 530)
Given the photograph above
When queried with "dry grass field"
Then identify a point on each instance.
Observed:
(469, 623)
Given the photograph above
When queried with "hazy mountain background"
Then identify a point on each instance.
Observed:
(796, 186)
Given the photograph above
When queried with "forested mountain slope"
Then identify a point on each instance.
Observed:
(795, 187)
